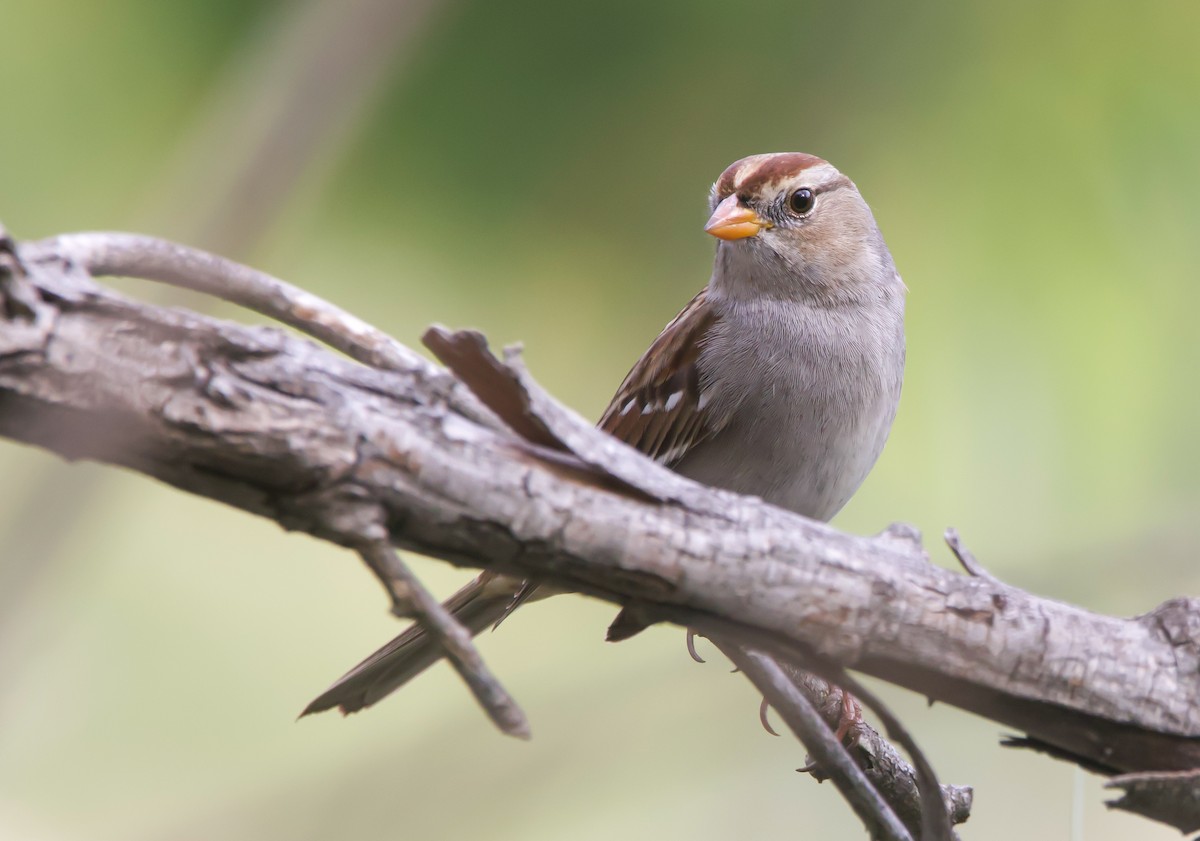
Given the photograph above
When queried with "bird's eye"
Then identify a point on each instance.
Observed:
(801, 201)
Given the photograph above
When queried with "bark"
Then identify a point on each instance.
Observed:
(276, 425)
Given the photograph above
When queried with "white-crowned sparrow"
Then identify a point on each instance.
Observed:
(780, 379)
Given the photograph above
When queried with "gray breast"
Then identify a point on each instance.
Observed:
(804, 398)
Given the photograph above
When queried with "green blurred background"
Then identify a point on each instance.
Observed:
(539, 170)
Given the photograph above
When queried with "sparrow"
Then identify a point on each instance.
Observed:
(780, 379)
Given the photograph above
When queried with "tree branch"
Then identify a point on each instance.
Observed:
(274, 425)
(808, 725)
(411, 599)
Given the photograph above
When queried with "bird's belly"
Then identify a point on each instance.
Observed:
(810, 463)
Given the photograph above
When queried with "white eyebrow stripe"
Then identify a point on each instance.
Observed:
(818, 177)
(820, 174)
(744, 170)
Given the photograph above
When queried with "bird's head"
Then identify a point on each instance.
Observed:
(791, 225)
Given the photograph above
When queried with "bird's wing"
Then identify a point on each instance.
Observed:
(660, 408)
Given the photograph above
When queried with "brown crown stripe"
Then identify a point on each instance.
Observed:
(773, 168)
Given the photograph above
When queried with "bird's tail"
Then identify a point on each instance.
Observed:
(479, 605)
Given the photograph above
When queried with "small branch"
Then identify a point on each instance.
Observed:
(149, 258)
(811, 729)
(935, 821)
(889, 772)
(1172, 797)
(966, 557)
(409, 597)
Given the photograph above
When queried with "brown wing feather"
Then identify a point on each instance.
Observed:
(657, 408)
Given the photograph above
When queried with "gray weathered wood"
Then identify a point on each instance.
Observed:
(273, 424)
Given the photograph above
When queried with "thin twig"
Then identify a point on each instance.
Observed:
(408, 594)
(966, 557)
(935, 821)
(150, 258)
(904, 787)
(810, 728)
(935, 818)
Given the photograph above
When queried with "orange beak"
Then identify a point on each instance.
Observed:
(733, 221)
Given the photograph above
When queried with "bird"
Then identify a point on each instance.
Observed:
(780, 379)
